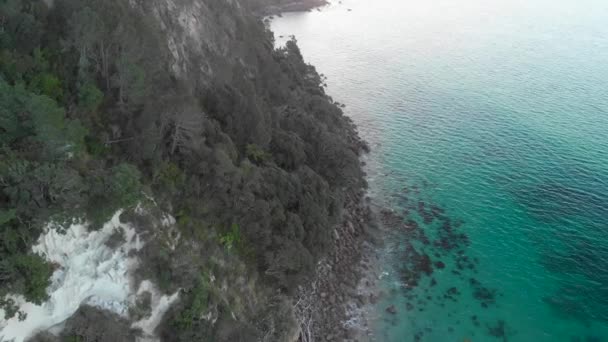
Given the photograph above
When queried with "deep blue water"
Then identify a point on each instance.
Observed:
(488, 121)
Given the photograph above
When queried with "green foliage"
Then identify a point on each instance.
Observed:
(196, 307)
(47, 84)
(47, 122)
(75, 134)
(96, 148)
(120, 187)
(11, 122)
(8, 65)
(232, 238)
(25, 114)
(124, 185)
(10, 308)
(89, 97)
(256, 154)
(35, 272)
(50, 130)
(111, 43)
(20, 29)
(74, 338)
(169, 177)
(27, 274)
(183, 218)
(7, 215)
(40, 190)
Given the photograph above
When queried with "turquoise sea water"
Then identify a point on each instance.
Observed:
(488, 121)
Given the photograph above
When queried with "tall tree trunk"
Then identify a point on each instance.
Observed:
(104, 65)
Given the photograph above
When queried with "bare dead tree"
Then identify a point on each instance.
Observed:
(183, 127)
(305, 308)
(304, 314)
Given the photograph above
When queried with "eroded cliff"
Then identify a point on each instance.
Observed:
(189, 103)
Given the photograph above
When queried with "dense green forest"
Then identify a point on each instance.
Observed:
(53, 166)
(94, 118)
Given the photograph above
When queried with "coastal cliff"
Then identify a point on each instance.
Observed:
(180, 109)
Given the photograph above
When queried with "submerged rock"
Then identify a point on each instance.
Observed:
(391, 309)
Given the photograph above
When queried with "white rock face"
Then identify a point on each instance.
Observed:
(88, 272)
(160, 305)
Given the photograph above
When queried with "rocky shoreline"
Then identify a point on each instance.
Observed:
(333, 307)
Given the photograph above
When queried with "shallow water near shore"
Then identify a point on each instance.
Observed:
(488, 122)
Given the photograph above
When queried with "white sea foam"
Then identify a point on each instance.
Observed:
(160, 304)
(88, 272)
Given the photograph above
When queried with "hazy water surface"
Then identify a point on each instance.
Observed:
(488, 121)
